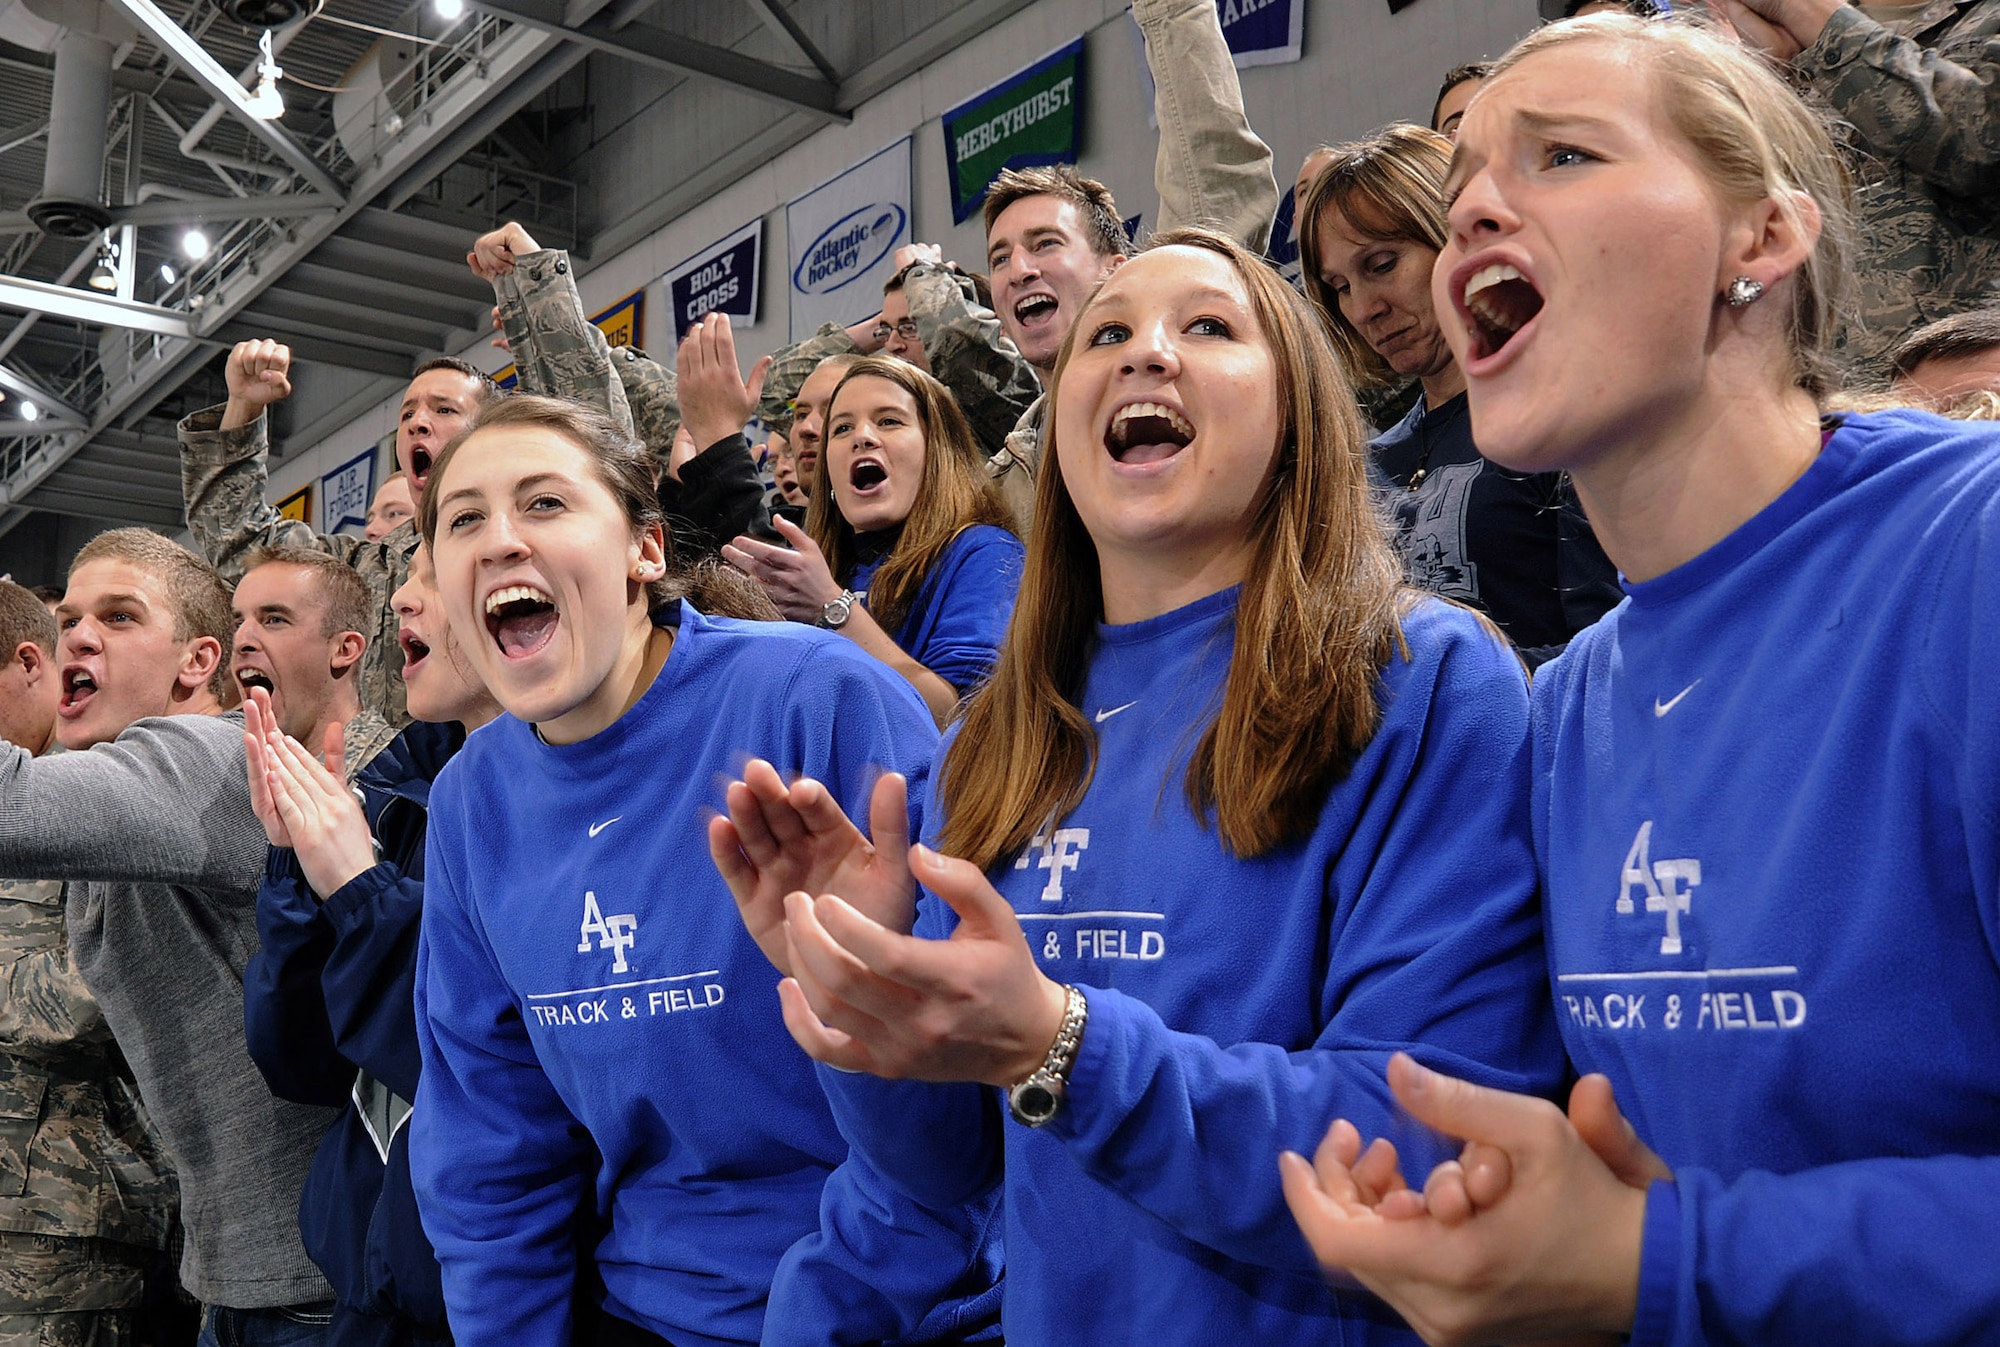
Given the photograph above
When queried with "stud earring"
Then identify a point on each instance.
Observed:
(1744, 292)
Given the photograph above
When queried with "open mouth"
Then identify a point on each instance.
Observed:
(521, 620)
(78, 687)
(1147, 432)
(254, 678)
(866, 474)
(1035, 309)
(1499, 301)
(415, 652)
(420, 463)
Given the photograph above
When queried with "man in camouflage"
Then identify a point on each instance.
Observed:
(1917, 88)
(225, 454)
(86, 1198)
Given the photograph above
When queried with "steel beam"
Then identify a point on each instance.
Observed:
(91, 507)
(785, 26)
(184, 210)
(51, 406)
(192, 57)
(310, 280)
(672, 51)
(60, 301)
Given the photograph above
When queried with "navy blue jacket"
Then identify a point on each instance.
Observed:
(330, 995)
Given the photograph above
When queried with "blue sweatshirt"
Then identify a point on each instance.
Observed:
(329, 998)
(1237, 1006)
(1767, 809)
(958, 618)
(605, 1070)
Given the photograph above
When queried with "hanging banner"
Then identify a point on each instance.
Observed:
(298, 506)
(346, 493)
(1264, 32)
(1029, 118)
(1258, 32)
(622, 325)
(719, 279)
(841, 237)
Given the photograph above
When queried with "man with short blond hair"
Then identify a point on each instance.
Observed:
(148, 819)
(91, 1216)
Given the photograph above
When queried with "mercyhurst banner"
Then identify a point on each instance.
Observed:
(1030, 118)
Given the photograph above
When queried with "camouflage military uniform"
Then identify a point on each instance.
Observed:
(1920, 98)
(1211, 170)
(366, 735)
(223, 477)
(86, 1197)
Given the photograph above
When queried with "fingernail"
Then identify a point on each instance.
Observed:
(924, 853)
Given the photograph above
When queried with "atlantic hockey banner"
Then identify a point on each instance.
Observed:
(1027, 119)
(721, 278)
(842, 236)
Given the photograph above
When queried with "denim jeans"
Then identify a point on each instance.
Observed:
(287, 1326)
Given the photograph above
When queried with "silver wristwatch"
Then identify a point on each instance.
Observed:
(1035, 1100)
(834, 616)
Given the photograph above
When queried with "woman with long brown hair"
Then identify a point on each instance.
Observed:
(907, 548)
(1767, 785)
(1514, 545)
(1238, 815)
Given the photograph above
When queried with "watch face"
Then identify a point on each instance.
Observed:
(1033, 1104)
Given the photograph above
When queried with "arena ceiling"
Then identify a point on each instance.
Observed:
(341, 226)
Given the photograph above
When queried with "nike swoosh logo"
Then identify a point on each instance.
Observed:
(597, 828)
(1660, 708)
(1103, 716)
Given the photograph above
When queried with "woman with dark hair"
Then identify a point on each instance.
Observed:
(1238, 815)
(1767, 786)
(612, 1136)
(907, 549)
(1514, 545)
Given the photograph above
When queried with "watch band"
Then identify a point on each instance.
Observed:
(1036, 1100)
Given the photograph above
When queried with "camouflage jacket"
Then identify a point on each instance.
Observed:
(78, 1157)
(223, 476)
(558, 352)
(1920, 99)
(1211, 170)
(368, 734)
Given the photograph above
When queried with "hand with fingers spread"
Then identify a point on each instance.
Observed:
(306, 801)
(797, 577)
(493, 254)
(863, 997)
(1530, 1235)
(779, 839)
(257, 373)
(716, 400)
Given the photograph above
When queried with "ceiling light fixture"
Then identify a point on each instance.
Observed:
(104, 276)
(451, 11)
(30, 412)
(267, 104)
(195, 244)
(168, 274)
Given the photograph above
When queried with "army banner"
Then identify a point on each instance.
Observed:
(1265, 32)
(298, 506)
(1027, 119)
(842, 236)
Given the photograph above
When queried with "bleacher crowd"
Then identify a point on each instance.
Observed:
(1462, 803)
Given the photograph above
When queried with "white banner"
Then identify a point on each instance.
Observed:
(843, 235)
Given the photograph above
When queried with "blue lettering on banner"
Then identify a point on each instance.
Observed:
(849, 247)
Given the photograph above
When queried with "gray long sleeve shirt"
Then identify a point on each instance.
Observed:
(164, 856)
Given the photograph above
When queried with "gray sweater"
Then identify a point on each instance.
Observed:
(155, 832)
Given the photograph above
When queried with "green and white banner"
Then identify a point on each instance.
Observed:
(1029, 118)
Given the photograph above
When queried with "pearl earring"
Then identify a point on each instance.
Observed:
(1744, 292)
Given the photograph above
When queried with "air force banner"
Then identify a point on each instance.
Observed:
(843, 235)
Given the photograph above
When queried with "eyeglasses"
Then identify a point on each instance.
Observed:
(906, 329)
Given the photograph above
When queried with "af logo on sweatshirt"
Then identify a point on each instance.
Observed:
(613, 933)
